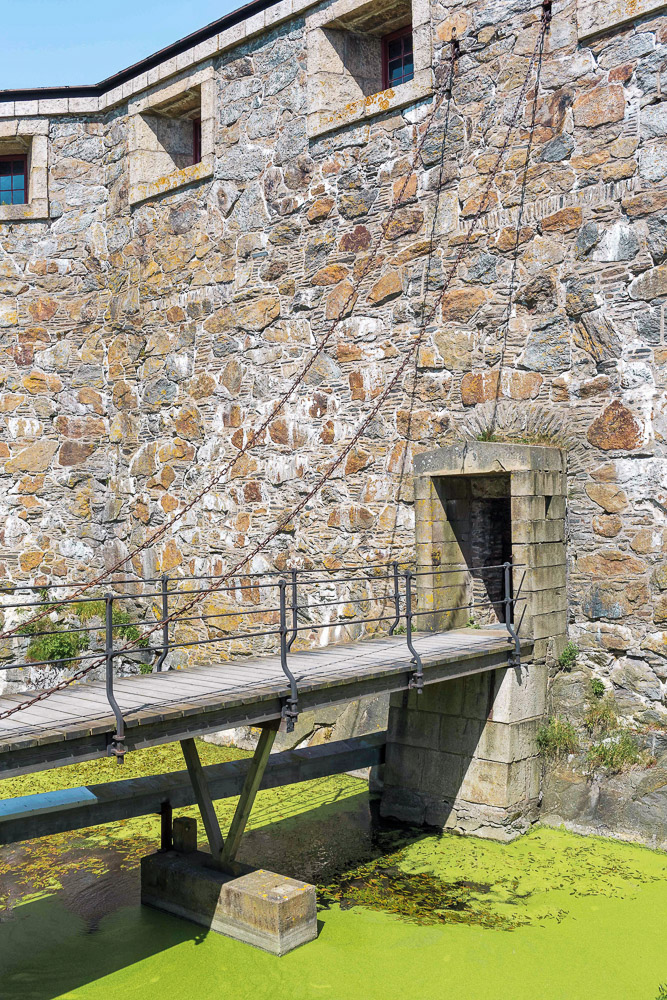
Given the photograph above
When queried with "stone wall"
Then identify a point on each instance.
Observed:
(139, 344)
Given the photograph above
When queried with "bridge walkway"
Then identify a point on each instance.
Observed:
(77, 724)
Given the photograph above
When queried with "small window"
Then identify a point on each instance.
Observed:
(196, 140)
(397, 60)
(13, 180)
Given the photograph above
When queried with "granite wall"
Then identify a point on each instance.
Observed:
(139, 344)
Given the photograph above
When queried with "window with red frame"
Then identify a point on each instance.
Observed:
(196, 140)
(397, 61)
(13, 180)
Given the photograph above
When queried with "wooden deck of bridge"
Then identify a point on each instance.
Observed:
(77, 723)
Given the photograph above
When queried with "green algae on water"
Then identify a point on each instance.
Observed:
(403, 914)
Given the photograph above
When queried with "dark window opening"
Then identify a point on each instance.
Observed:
(13, 180)
(196, 140)
(397, 59)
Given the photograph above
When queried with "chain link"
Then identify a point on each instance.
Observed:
(409, 354)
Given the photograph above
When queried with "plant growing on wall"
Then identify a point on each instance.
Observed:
(557, 739)
(57, 639)
(568, 657)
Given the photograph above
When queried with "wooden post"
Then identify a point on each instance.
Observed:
(250, 788)
(203, 798)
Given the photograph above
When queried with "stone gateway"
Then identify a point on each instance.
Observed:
(296, 179)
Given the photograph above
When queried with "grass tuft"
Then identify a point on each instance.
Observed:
(568, 657)
(597, 687)
(601, 718)
(557, 739)
(619, 753)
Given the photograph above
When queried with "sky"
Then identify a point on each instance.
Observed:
(52, 43)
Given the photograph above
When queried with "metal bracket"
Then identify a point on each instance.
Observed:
(116, 747)
(290, 709)
(417, 679)
(547, 13)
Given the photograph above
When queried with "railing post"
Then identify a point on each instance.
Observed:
(291, 707)
(397, 599)
(116, 747)
(508, 602)
(417, 681)
(294, 611)
(165, 623)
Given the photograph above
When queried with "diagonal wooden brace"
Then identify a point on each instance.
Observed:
(203, 798)
(250, 788)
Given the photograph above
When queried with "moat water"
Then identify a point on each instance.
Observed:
(404, 915)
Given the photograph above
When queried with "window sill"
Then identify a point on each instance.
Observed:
(179, 178)
(321, 122)
(38, 208)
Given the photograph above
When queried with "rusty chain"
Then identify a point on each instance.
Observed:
(257, 434)
(409, 354)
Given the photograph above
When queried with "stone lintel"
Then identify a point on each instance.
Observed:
(269, 911)
(486, 458)
(597, 16)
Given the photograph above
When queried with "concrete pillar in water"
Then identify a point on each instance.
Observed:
(463, 754)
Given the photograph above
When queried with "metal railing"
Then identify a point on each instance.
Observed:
(368, 599)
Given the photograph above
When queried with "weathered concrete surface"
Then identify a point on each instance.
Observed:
(358, 718)
(261, 908)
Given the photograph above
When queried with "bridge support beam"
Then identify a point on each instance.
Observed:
(258, 907)
(462, 755)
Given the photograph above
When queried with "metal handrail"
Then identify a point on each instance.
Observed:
(399, 593)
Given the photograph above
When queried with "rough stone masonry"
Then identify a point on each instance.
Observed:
(151, 313)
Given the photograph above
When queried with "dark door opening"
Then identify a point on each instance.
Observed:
(478, 511)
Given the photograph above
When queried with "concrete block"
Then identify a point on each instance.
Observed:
(539, 555)
(440, 773)
(539, 484)
(184, 834)
(403, 765)
(403, 804)
(255, 23)
(535, 532)
(544, 602)
(547, 626)
(508, 742)
(459, 735)
(261, 908)
(492, 783)
(520, 694)
(414, 728)
(445, 698)
(23, 108)
(478, 695)
(481, 457)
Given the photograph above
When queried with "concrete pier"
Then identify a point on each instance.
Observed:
(463, 754)
(261, 908)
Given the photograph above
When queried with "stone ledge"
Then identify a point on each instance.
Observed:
(597, 16)
(321, 122)
(38, 209)
(179, 178)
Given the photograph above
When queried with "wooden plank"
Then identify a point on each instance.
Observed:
(249, 793)
(47, 813)
(203, 797)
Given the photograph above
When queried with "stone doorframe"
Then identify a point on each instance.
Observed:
(463, 755)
